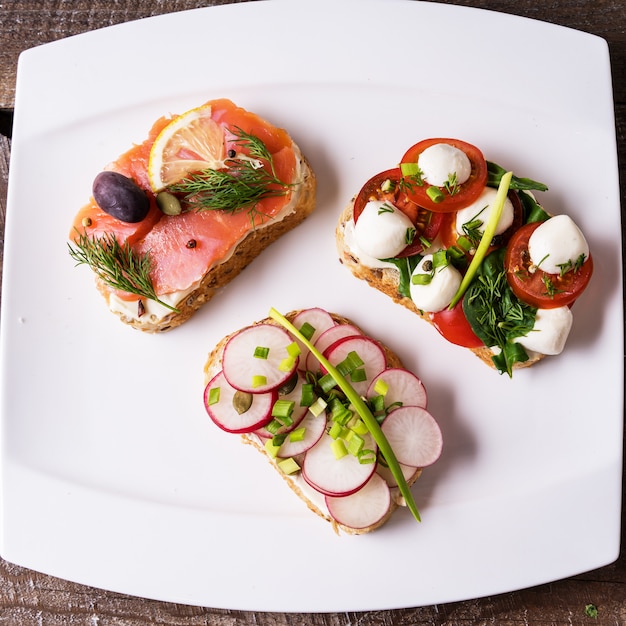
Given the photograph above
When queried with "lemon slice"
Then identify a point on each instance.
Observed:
(191, 142)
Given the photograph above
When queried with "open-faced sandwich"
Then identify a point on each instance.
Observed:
(466, 245)
(177, 217)
(332, 409)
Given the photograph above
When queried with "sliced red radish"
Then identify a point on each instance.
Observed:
(399, 385)
(318, 320)
(226, 411)
(332, 476)
(327, 338)
(414, 435)
(314, 428)
(256, 359)
(364, 508)
(408, 472)
(368, 350)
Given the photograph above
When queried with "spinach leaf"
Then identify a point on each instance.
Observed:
(495, 172)
(405, 266)
(533, 212)
(496, 315)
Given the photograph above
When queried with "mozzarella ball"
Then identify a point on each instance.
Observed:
(482, 208)
(557, 242)
(381, 230)
(438, 293)
(550, 331)
(441, 160)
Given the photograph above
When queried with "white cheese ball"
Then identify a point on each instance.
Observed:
(482, 208)
(438, 293)
(557, 242)
(550, 331)
(441, 160)
(381, 230)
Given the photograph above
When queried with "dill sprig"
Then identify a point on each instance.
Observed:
(241, 186)
(118, 266)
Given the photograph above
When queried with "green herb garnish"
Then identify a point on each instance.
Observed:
(116, 265)
(496, 315)
(495, 174)
(241, 186)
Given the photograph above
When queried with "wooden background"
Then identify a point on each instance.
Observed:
(27, 597)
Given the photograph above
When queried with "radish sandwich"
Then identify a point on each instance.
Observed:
(334, 411)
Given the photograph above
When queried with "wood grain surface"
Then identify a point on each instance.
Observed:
(27, 597)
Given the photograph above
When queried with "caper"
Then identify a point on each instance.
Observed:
(242, 401)
(168, 203)
(120, 197)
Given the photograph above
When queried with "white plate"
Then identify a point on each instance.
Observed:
(113, 476)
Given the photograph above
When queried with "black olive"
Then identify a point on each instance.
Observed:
(120, 197)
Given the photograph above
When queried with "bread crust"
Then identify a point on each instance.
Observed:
(386, 280)
(213, 365)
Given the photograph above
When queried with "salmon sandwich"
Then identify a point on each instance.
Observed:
(177, 217)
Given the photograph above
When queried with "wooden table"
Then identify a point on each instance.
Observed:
(27, 597)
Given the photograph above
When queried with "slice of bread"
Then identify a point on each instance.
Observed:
(386, 280)
(313, 499)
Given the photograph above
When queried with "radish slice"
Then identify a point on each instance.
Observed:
(408, 472)
(332, 476)
(368, 350)
(327, 338)
(247, 372)
(414, 435)
(224, 414)
(314, 429)
(299, 412)
(402, 386)
(364, 508)
(319, 319)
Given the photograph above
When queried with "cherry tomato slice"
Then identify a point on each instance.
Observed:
(453, 326)
(538, 288)
(426, 223)
(467, 192)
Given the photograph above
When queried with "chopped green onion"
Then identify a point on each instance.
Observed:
(318, 407)
(378, 403)
(258, 381)
(464, 243)
(273, 426)
(287, 364)
(354, 359)
(297, 434)
(422, 279)
(367, 456)
(355, 443)
(261, 352)
(409, 169)
(308, 396)
(288, 466)
(339, 448)
(307, 330)
(440, 259)
(485, 240)
(214, 395)
(279, 439)
(336, 430)
(362, 409)
(327, 382)
(293, 350)
(358, 376)
(387, 185)
(359, 427)
(283, 408)
(271, 449)
(435, 194)
(381, 387)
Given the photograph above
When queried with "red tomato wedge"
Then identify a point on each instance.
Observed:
(466, 193)
(426, 223)
(533, 285)
(453, 326)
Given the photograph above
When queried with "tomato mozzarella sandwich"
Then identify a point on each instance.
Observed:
(177, 217)
(466, 245)
(332, 409)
